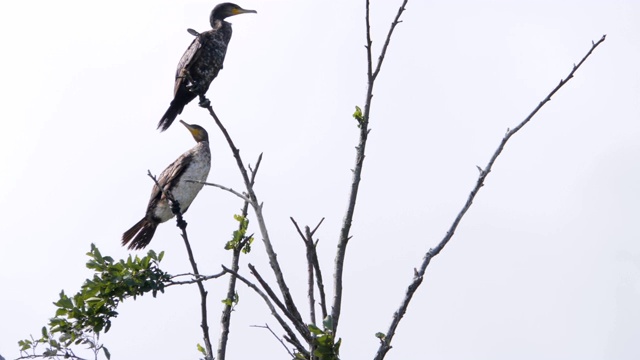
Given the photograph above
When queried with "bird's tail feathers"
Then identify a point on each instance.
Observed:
(167, 119)
(140, 234)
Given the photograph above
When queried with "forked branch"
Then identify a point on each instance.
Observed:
(385, 342)
(360, 154)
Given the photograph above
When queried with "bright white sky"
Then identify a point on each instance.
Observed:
(545, 265)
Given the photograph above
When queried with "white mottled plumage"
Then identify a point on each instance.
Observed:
(183, 191)
(192, 165)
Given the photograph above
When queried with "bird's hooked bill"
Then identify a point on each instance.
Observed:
(239, 11)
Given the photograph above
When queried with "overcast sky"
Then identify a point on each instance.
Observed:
(546, 264)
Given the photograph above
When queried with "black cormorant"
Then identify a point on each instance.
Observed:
(192, 165)
(201, 62)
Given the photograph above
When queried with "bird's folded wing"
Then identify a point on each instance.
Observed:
(170, 176)
(189, 57)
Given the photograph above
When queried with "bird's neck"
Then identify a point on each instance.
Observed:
(218, 23)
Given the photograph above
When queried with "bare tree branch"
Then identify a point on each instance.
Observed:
(241, 196)
(276, 336)
(225, 319)
(291, 338)
(257, 207)
(203, 295)
(196, 278)
(395, 22)
(298, 323)
(312, 259)
(360, 154)
(385, 343)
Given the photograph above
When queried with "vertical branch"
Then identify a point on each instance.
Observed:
(311, 290)
(316, 266)
(385, 342)
(360, 154)
(310, 294)
(225, 319)
(313, 266)
(203, 293)
(175, 209)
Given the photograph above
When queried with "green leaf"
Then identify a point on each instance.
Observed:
(202, 350)
(25, 344)
(315, 330)
(358, 114)
(380, 335)
(328, 323)
(106, 353)
(49, 353)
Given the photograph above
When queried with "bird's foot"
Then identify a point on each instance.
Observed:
(204, 102)
(180, 223)
(175, 208)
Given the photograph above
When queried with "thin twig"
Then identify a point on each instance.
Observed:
(225, 318)
(385, 343)
(311, 251)
(257, 207)
(291, 338)
(198, 278)
(298, 323)
(241, 196)
(360, 155)
(310, 277)
(203, 296)
(276, 336)
(316, 265)
(395, 22)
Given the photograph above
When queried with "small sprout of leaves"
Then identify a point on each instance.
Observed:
(233, 301)
(381, 336)
(239, 238)
(202, 350)
(358, 116)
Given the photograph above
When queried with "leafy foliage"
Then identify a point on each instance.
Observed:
(81, 318)
(240, 239)
(324, 342)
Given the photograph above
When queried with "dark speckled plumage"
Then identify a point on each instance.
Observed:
(202, 61)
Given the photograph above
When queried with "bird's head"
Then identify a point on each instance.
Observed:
(198, 132)
(224, 10)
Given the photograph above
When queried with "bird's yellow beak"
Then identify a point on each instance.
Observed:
(238, 11)
(191, 129)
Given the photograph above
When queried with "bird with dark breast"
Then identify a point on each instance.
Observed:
(192, 165)
(201, 62)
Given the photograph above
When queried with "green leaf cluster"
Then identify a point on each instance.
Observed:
(359, 116)
(233, 301)
(79, 319)
(324, 342)
(240, 240)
